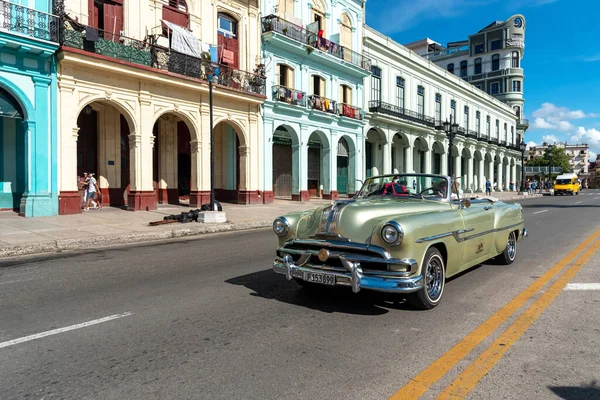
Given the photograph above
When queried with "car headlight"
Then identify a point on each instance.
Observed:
(281, 226)
(392, 233)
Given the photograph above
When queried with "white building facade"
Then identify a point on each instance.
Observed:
(408, 98)
(578, 155)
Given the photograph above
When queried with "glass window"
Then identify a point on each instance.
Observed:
(478, 86)
(453, 110)
(498, 129)
(400, 92)
(517, 111)
(466, 119)
(420, 100)
(477, 66)
(505, 132)
(515, 62)
(227, 25)
(479, 48)
(375, 83)
(463, 69)
(516, 86)
(512, 134)
(478, 122)
(450, 68)
(496, 44)
(495, 88)
(487, 126)
(438, 109)
(495, 62)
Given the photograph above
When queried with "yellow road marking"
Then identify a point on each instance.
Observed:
(417, 386)
(469, 378)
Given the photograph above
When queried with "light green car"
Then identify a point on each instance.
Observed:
(403, 233)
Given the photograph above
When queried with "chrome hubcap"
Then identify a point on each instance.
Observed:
(511, 246)
(434, 277)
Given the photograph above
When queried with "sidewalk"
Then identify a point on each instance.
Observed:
(95, 228)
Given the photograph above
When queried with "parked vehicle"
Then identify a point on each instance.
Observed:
(401, 233)
(567, 184)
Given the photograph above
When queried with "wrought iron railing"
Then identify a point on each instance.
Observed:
(524, 122)
(273, 23)
(482, 137)
(346, 110)
(27, 21)
(472, 134)
(144, 53)
(502, 143)
(324, 104)
(289, 96)
(390, 109)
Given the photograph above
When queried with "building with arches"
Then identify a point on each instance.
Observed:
(407, 100)
(28, 135)
(135, 108)
(313, 117)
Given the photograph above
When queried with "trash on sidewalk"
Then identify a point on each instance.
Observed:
(185, 217)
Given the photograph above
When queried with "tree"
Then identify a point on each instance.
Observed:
(557, 156)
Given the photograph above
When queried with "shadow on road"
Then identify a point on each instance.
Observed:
(268, 285)
(561, 206)
(577, 392)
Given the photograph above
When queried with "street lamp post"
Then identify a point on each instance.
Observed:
(551, 148)
(523, 147)
(451, 131)
(211, 77)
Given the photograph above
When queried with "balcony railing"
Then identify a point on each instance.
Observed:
(346, 110)
(472, 134)
(482, 137)
(390, 109)
(324, 104)
(273, 23)
(502, 143)
(29, 22)
(524, 122)
(160, 58)
(289, 96)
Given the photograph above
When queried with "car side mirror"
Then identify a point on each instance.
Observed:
(465, 203)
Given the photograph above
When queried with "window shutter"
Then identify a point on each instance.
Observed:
(92, 14)
(289, 6)
(113, 20)
(349, 95)
(322, 84)
(290, 77)
(341, 93)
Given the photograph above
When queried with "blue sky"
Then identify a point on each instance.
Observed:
(561, 60)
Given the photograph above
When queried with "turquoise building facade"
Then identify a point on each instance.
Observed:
(28, 108)
(313, 123)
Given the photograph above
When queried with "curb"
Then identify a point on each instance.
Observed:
(58, 246)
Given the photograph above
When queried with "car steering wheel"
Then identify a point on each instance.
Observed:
(433, 191)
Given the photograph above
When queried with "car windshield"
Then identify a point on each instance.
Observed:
(406, 185)
(563, 181)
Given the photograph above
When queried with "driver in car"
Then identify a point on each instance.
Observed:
(443, 190)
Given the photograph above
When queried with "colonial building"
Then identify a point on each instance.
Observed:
(408, 98)
(489, 59)
(28, 150)
(578, 156)
(313, 122)
(135, 105)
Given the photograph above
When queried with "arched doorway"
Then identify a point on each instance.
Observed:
(318, 165)
(13, 152)
(172, 160)
(285, 152)
(346, 176)
(231, 159)
(399, 147)
(438, 152)
(103, 149)
(374, 152)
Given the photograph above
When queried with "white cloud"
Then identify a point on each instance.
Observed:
(565, 126)
(551, 139)
(550, 116)
(531, 144)
(541, 123)
(590, 136)
(592, 156)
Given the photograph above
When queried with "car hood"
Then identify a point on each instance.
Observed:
(356, 219)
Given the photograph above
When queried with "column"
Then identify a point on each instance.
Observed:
(507, 176)
(300, 158)
(491, 176)
(408, 157)
(470, 179)
(515, 178)
(500, 175)
(444, 161)
(69, 200)
(141, 146)
(387, 158)
(267, 162)
(428, 155)
(481, 176)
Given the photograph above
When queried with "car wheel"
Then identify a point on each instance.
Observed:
(509, 254)
(434, 277)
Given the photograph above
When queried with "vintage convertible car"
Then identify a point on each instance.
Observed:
(401, 233)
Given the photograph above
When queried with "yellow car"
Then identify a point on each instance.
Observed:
(567, 184)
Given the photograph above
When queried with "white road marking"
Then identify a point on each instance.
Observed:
(62, 330)
(538, 212)
(579, 202)
(582, 286)
(596, 198)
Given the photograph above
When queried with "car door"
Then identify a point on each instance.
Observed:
(479, 231)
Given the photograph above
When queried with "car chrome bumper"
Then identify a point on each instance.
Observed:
(355, 277)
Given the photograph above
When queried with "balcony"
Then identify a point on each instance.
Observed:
(159, 58)
(323, 104)
(483, 137)
(523, 123)
(472, 134)
(448, 52)
(310, 41)
(28, 22)
(377, 106)
(289, 96)
(348, 111)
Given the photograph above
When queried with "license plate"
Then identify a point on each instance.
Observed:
(317, 277)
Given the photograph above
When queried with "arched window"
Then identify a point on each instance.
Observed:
(318, 14)
(285, 7)
(346, 31)
(227, 40)
(450, 68)
(477, 66)
(515, 59)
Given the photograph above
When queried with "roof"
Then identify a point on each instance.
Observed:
(492, 25)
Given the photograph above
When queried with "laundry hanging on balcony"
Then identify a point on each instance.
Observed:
(184, 41)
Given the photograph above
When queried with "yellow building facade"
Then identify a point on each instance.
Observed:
(134, 104)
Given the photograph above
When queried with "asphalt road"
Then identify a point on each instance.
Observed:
(208, 319)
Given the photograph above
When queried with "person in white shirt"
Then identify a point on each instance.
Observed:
(91, 192)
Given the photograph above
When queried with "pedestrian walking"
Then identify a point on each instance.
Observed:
(488, 187)
(91, 192)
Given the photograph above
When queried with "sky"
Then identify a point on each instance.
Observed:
(561, 60)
